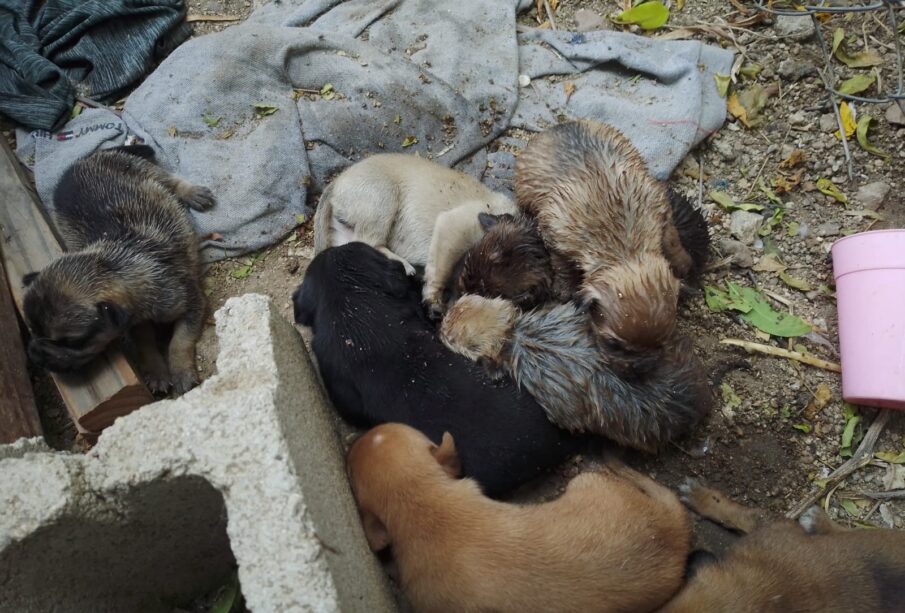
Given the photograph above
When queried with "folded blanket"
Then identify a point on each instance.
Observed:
(50, 49)
(267, 111)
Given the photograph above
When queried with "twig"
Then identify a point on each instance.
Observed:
(783, 353)
(701, 183)
(550, 14)
(778, 298)
(97, 105)
(884, 495)
(861, 457)
(192, 18)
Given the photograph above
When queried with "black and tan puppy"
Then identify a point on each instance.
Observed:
(131, 261)
(381, 361)
(783, 566)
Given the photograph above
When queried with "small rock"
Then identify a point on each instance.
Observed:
(726, 150)
(798, 118)
(793, 71)
(827, 122)
(744, 225)
(768, 73)
(586, 20)
(872, 195)
(524, 80)
(738, 252)
(794, 28)
(786, 150)
(829, 228)
(292, 266)
(894, 115)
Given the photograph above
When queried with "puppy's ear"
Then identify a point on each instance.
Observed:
(487, 221)
(303, 305)
(27, 278)
(375, 531)
(116, 316)
(447, 457)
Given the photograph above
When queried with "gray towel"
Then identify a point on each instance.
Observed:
(434, 79)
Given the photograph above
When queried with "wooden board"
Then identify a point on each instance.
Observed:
(18, 414)
(108, 390)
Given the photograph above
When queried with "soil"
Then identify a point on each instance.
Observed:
(761, 446)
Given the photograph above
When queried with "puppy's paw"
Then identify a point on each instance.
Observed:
(688, 490)
(158, 384)
(200, 198)
(816, 521)
(183, 381)
(409, 269)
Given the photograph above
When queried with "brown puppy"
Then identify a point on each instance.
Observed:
(131, 261)
(598, 206)
(793, 567)
(614, 541)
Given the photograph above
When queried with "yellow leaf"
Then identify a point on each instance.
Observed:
(680, 4)
(569, 88)
(738, 111)
(722, 84)
(848, 121)
(861, 134)
(827, 188)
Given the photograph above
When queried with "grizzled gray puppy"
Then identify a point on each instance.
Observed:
(551, 353)
(131, 262)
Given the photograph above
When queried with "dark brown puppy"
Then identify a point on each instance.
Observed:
(597, 205)
(614, 541)
(131, 261)
(811, 565)
(512, 262)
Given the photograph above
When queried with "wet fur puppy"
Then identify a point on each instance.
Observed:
(131, 261)
(411, 210)
(597, 205)
(512, 262)
(783, 566)
(381, 362)
(614, 541)
(551, 353)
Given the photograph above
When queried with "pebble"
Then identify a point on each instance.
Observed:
(737, 251)
(786, 150)
(524, 80)
(828, 122)
(872, 195)
(744, 225)
(894, 115)
(829, 228)
(793, 27)
(586, 20)
(795, 71)
(725, 149)
(798, 118)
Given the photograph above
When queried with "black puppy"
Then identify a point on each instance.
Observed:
(381, 362)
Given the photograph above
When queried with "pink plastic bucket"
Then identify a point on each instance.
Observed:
(869, 269)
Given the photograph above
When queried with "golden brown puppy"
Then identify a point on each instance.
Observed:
(597, 205)
(811, 565)
(614, 541)
(131, 261)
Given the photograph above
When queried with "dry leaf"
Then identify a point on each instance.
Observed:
(737, 110)
(769, 263)
(722, 84)
(827, 188)
(409, 141)
(569, 88)
(795, 283)
(848, 120)
(795, 158)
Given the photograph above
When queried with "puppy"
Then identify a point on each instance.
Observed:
(614, 541)
(551, 353)
(809, 565)
(598, 206)
(511, 261)
(381, 361)
(131, 260)
(411, 210)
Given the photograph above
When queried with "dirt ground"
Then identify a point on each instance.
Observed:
(762, 445)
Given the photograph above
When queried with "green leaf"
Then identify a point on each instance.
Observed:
(827, 188)
(730, 398)
(764, 318)
(792, 228)
(774, 220)
(409, 141)
(717, 301)
(327, 88)
(263, 110)
(647, 15)
(862, 59)
(857, 84)
(848, 434)
(850, 507)
(728, 204)
(861, 134)
(772, 197)
(891, 457)
(722, 84)
(793, 282)
(76, 110)
(241, 273)
(212, 122)
(838, 37)
(803, 427)
(299, 219)
(750, 71)
(227, 596)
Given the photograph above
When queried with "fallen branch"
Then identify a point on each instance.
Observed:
(861, 457)
(783, 353)
(549, 12)
(192, 18)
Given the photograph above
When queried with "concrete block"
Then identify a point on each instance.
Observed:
(246, 468)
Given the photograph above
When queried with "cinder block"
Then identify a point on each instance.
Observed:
(245, 468)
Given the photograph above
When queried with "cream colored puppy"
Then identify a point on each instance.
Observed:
(410, 209)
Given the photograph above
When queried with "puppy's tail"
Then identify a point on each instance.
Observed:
(323, 220)
(692, 229)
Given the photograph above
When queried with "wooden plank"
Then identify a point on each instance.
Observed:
(18, 414)
(109, 389)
